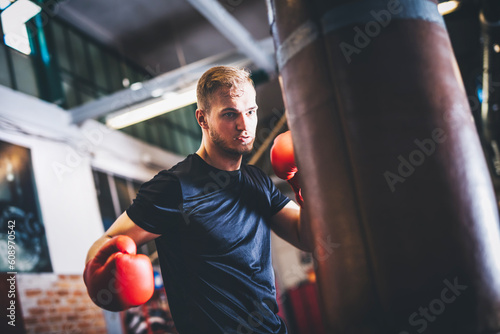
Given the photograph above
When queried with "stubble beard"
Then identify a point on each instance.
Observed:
(221, 144)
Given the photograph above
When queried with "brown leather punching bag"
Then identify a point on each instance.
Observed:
(395, 183)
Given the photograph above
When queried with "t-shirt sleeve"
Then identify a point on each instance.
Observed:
(277, 199)
(157, 206)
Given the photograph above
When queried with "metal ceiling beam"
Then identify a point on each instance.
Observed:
(178, 79)
(234, 31)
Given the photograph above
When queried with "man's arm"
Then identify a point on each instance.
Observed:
(116, 276)
(290, 225)
(122, 226)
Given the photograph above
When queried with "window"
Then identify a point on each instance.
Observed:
(60, 49)
(79, 68)
(4, 68)
(97, 60)
(24, 72)
(79, 56)
(115, 194)
(176, 131)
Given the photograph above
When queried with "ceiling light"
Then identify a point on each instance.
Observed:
(136, 86)
(13, 19)
(157, 92)
(168, 102)
(18, 39)
(448, 7)
(4, 4)
(18, 13)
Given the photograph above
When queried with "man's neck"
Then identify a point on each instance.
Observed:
(220, 160)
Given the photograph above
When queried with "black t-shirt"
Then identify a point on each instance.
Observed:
(214, 248)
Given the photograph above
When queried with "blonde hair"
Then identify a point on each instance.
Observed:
(217, 77)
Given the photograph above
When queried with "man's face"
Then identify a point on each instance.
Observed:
(233, 119)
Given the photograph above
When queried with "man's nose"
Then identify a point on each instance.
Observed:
(242, 122)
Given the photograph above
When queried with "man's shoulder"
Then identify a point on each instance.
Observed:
(182, 167)
(172, 175)
(180, 164)
(190, 172)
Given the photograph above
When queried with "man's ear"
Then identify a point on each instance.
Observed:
(201, 117)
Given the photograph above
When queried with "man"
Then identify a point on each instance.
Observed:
(210, 217)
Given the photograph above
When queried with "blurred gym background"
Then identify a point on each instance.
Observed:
(96, 97)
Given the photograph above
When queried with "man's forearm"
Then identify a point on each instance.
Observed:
(96, 246)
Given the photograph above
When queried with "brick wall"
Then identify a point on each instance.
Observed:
(58, 304)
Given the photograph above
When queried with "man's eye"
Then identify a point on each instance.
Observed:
(252, 112)
(229, 114)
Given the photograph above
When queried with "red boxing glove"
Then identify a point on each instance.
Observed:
(117, 278)
(283, 162)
